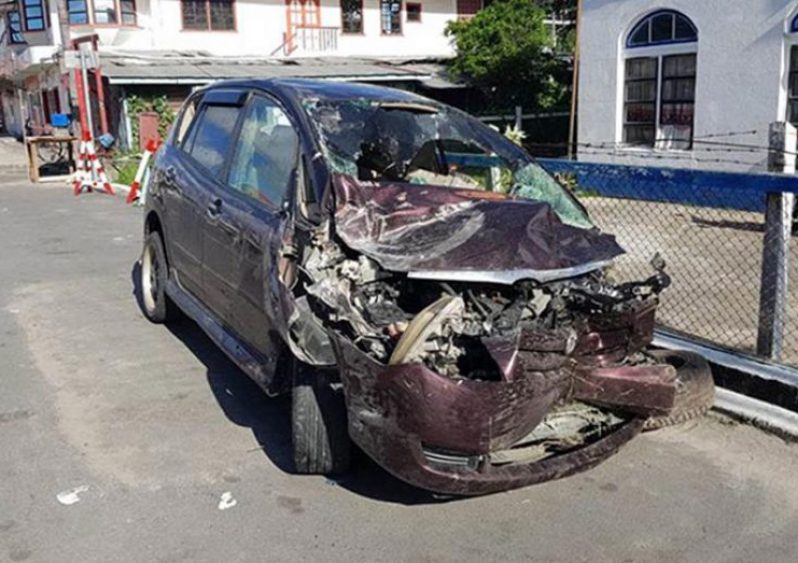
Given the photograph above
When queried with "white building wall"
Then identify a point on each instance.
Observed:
(742, 65)
(260, 25)
(425, 38)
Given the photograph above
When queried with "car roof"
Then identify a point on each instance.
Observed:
(302, 89)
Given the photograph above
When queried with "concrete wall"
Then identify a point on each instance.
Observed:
(12, 112)
(742, 58)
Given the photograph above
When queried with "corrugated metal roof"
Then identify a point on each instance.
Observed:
(160, 67)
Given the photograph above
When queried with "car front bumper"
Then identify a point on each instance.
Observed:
(438, 433)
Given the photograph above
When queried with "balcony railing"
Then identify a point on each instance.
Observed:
(309, 40)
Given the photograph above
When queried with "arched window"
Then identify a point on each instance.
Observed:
(659, 88)
(662, 28)
(794, 24)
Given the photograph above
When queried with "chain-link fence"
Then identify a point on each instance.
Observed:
(710, 229)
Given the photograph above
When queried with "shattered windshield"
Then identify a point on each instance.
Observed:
(424, 143)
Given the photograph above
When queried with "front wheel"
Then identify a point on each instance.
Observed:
(157, 306)
(318, 422)
(695, 388)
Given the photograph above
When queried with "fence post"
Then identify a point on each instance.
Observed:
(519, 117)
(776, 249)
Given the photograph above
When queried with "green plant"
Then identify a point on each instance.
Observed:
(515, 134)
(507, 51)
(157, 104)
(125, 170)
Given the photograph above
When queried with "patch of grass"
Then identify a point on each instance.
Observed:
(126, 171)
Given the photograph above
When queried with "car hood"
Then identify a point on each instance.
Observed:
(433, 232)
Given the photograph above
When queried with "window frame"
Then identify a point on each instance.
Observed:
(42, 5)
(202, 107)
(660, 50)
(290, 195)
(94, 11)
(87, 11)
(384, 33)
(420, 7)
(659, 54)
(122, 13)
(20, 38)
(195, 99)
(91, 15)
(362, 17)
(792, 71)
(626, 102)
(209, 27)
(648, 20)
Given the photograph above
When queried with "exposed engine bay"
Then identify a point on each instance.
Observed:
(447, 324)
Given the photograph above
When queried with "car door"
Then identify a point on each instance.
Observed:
(181, 198)
(201, 170)
(244, 240)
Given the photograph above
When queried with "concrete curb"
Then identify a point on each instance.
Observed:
(753, 377)
(782, 422)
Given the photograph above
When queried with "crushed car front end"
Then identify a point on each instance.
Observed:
(480, 342)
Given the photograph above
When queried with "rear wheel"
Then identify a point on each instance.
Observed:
(319, 424)
(695, 389)
(157, 306)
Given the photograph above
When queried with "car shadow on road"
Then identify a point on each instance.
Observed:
(245, 404)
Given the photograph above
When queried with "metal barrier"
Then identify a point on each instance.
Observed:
(725, 237)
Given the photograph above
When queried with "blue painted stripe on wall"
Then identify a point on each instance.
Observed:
(726, 190)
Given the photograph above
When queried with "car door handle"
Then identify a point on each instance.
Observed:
(214, 208)
(170, 175)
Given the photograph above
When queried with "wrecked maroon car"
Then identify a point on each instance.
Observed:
(419, 284)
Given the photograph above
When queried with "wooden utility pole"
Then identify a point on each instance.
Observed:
(575, 84)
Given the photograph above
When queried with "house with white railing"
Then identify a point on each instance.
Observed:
(169, 46)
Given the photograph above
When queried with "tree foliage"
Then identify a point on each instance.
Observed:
(507, 50)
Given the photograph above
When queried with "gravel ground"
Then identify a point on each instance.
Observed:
(714, 257)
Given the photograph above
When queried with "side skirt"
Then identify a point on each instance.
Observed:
(261, 369)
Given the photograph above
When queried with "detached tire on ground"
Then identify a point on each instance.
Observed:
(695, 389)
(318, 422)
(157, 306)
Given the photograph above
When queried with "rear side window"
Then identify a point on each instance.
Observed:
(186, 118)
(266, 153)
(209, 140)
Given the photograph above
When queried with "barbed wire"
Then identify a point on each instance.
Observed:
(684, 158)
(623, 149)
(709, 145)
(729, 134)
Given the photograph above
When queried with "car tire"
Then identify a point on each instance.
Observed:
(320, 437)
(695, 388)
(156, 305)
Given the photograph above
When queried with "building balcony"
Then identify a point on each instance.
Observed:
(16, 61)
(309, 41)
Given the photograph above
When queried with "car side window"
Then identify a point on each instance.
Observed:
(186, 118)
(209, 141)
(266, 153)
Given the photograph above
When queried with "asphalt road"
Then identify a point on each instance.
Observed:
(126, 441)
